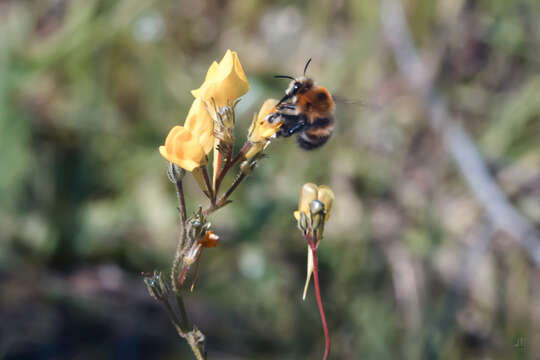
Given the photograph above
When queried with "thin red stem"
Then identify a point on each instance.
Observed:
(182, 277)
(181, 200)
(229, 164)
(223, 199)
(208, 185)
(319, 302)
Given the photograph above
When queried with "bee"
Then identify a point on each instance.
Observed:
(307, 109)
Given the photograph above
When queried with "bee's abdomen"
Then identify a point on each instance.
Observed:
(308, 143)
(317, 134)
(321, 126)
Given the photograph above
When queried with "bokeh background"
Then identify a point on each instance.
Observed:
(412, 264)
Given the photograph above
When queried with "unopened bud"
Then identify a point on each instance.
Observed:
(326, 196)
(254, 150)
(192, 254)
(308, 193)
(175, 173)
(247, 167)
(303, 222)
(154, 285)
(316, 209)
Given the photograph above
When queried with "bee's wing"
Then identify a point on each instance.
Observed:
(372, 106)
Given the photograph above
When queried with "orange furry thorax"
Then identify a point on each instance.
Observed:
(316, 100)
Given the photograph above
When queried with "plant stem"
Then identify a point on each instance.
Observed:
(319, 301)
(233, 187)
(181, 201)
(208, 185)
(223, 200)
(229, 164)
(183, 313)
(180, 245)
(194, 346)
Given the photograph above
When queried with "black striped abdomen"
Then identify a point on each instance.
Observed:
(316, 134)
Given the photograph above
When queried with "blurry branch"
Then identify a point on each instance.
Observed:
(471, 256)
(172, 302)
(407, 285)
(407, 274)
(458, 143)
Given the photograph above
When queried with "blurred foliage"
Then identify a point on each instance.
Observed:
(88, 91)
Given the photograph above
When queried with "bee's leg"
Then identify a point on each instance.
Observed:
(286, 106)
(291, 124)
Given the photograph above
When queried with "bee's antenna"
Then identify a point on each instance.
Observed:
(305, 67)
(284, 77)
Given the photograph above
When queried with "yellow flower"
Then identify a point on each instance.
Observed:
(309, 193)
(326, 196)
(183, 149)
(312, 192)
(224, 82)
(261, 129)
(188, 145)
(201, 125)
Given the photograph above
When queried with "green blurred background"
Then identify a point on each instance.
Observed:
(89, 90)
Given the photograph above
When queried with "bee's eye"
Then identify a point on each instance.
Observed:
(296, 87)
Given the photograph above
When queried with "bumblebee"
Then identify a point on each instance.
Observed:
(307, 109)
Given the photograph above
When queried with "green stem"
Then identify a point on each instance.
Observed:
(195, 347)
(183, 313)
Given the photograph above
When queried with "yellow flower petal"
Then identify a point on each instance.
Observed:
(201, 125)
(212, 70)
(307, 195)
(224, 82)
(267, 107)
(239, 70)
(254, 150)
(261, 129)
(183, 149)
(326, 196)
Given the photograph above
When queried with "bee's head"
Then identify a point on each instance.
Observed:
(297, 86)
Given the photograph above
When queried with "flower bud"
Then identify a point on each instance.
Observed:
(264, 125)
(303, 222)
(192, 254)
(254, 150)
(247, 167)
(175, 173)
(314, 205)
(155, 286)
(224, 125)
(307, 195)
(326, 196)
(316, 210)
